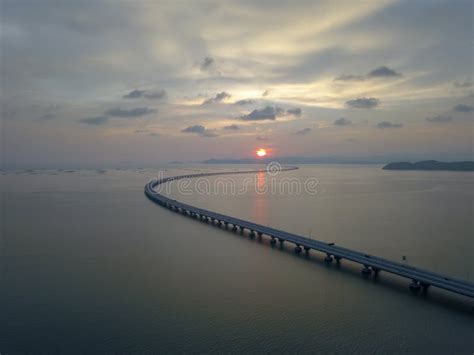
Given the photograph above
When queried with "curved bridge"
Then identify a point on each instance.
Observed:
(421, 279)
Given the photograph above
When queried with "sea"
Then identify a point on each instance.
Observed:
(88, 264)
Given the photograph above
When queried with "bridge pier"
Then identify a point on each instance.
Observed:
(252, 234)
(425, 286)
(338, 258)
(273, 241)
(298, 249)
(281, 241)
(328, 258)
(307, 249)
(234, 228)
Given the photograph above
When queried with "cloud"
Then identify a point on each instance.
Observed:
(207, 63)
(294, 111)
(267, 113)
(365, 102)
(201, 130)
(383, 72)
(134, 112)
(386, 124)
(135, 94)
(349, 77)
(154, 95)
(439, 119)
(342, 122)
(232, 127)
(141, 131)
(266, 92)
(194, 129)
(217, 98)
(95, 121)
(244, 102)
(154, 134)
(463, 108)
(261, 138)
(303, 131)
(380, 72)
(463, 85)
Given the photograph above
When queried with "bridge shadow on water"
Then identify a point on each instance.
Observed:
(441, 298)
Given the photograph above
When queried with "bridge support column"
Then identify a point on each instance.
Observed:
(366, 271)
(273, 241)
(376, 271)
(338, 258)
(307, 249)
(425, 286)
(234, 228)
(259, 235)
(298, 249)
(252, 234)
(281, 241)
(328, 258)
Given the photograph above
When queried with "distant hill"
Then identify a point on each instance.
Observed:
(298, 160)
(431, 165)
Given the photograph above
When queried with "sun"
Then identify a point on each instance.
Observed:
(261, 153)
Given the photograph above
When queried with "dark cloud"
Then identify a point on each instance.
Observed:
(342, 122)
(439, 119)
(95, 121)
(349, 77)
(217, 98)
(294, 111)
(267, 113)
(207, 63)
(386, 124)
(365, 102)
(463, 85)
(380, 72)
(244, 102)
(383, 72)
(153, 95)
(266, 93)
(303, 131)
(134, 112)
(463, 108)
(201, 130)
(261, 138)
(135, 94)
(232, 127)
(194, 129)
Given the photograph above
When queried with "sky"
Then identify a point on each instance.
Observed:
(104, 83)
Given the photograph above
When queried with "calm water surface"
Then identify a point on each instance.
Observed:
(88, 264)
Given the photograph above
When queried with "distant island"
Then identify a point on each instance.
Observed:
(431, 165)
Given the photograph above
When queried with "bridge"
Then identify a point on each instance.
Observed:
(420, 278)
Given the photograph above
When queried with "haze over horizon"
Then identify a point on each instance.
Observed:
(138, 83)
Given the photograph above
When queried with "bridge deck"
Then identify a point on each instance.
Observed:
(420, 276)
